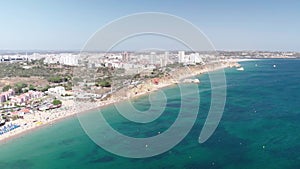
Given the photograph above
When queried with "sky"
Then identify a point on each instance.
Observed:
(230, 25)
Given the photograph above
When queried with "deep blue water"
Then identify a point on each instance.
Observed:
(259, 129)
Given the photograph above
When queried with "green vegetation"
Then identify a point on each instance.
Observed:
(55, 79)
(68, 86)
(103, 83)
(37, 68)
(59, 79)
(157, 73)
(6, 88)
(106, 82)
(17, 70)
(104, 71)
(18, 87)
(43, 89)
(56, 102)
(137, 76)
(31, 87)
(66, 95)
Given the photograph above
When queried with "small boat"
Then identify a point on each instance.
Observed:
(274, 66)
(191, 81)
(240, 69)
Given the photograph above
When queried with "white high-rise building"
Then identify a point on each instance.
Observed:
(198, 58)
(164, 59)
(153, 58)
(191, 59)
(181, 56)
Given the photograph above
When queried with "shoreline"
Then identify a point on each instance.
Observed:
(22, 131)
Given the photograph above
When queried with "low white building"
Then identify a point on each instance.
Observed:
(58, 90)
(63, 59)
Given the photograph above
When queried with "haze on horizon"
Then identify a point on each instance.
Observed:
(230, 25)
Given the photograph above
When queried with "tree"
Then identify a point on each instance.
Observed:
(103, 83)
(136, 76)
(45, 88)
(68, 86)
(19, 86)
(31, 87)
(56, 102)
(55, 79)
(6, 88)
(106, 82)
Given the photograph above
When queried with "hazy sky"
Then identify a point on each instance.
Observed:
(230, 25)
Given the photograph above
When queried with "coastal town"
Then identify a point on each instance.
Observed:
(39, 88)
(160, 84)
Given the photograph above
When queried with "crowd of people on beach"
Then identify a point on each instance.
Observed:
(8, 128)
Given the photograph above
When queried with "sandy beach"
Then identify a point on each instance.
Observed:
(39, 119)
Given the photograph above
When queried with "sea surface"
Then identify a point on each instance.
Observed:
(260, 128)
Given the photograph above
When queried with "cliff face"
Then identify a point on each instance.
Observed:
(171, 78)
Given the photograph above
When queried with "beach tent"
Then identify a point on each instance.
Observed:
(155, 81)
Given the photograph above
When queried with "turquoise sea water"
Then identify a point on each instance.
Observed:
(260, 128)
